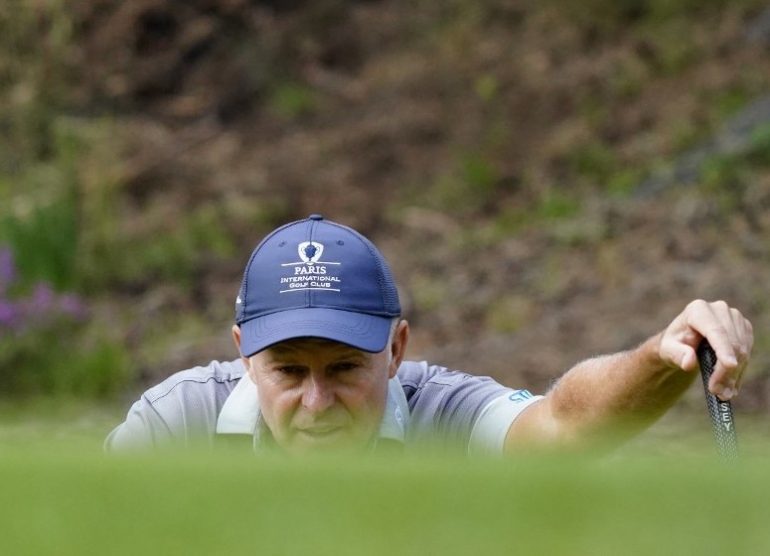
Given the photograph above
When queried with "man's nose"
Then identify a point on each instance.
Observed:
(318, 394)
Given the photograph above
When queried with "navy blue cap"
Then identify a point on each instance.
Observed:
(316, 278)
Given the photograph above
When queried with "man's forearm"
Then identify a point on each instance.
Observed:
(602, 401)
(616, 394)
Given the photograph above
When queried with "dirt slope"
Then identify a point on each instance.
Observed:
(491, 148)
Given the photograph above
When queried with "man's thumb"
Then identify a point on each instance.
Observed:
(688, 360)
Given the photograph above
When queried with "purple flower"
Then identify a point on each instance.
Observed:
(44, 307)
(42, 299)
(7, 268)
(39, 309)
(8, 314)
(72, 306)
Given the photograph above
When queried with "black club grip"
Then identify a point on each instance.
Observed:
(721, 412)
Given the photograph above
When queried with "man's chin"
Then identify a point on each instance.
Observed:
(331, 441)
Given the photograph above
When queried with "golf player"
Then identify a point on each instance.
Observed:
(321, 340)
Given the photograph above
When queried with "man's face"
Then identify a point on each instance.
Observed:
(318, 395)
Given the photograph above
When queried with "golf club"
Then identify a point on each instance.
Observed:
(721, 411)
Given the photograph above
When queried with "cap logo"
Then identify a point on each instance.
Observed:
(310, 251)
(310, 272)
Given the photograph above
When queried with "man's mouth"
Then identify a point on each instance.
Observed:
(320, 432)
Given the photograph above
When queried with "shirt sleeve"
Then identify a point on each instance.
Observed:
(143, 428)
(457, 410)
(180, 411)
(491, 426)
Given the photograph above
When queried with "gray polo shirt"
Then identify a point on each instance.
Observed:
(427, 405)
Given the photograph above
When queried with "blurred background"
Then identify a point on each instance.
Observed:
(550, 180)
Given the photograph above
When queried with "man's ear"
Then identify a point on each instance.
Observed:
(237, 339)
(398, 347)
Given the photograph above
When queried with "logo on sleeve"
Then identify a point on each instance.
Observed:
(520, 396)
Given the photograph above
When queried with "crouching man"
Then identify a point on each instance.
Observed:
(321, 341)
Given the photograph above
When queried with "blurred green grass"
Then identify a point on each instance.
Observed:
(68, 502)
(65, 496)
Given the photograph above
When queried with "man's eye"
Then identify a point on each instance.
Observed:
(343, 366)
(291, 370)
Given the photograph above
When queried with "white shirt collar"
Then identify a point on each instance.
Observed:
(241, 409)
(240, 413)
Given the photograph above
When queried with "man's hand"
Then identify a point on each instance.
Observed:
(728, 332)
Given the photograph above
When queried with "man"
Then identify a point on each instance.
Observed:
(321, 341)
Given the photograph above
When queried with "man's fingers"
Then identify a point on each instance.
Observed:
(724, 315)
(729, 333)
(745, 334)
(724, 381)
(712, 321)
(748, 339)
(684, 356)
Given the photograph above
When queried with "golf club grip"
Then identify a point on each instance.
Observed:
(721, 412)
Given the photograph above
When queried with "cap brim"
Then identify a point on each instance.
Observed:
(361, 331)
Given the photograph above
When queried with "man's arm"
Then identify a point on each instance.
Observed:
(610, 398)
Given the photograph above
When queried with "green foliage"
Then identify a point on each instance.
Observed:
(487, 87)
(478, 173)
(43, 212)
(471, 187)
(556, 206)
(427, 292)
(62, 215)
(724, 171)
(41, 148)
(45, 240)
(510, 313)
(598, 165)
(629, 77)
(37, 155)
(673, 45)
(726, 177)
(728, 102)
(623, 181)
(63, 222)
(610, 16)
(593, 160)
(759, 149)
(667, 29)
(293, 100)
(551, 207)
(686, 134)
(63, 359)
(40, 221)
(34, 72)
(169, 254)
(731, 173)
